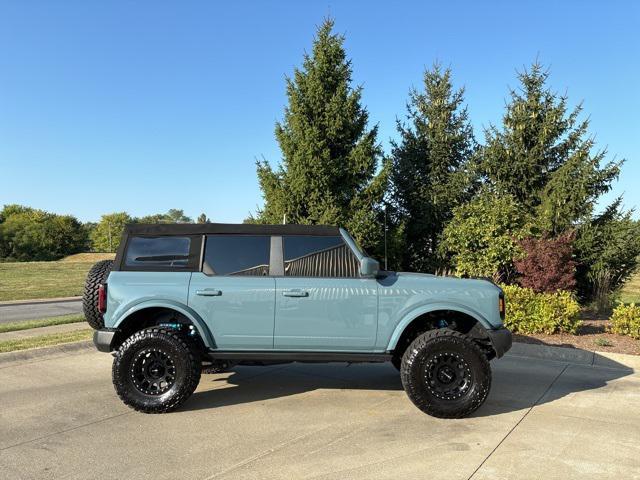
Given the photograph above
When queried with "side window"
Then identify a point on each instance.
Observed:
(237, 254)
(153, 252)
(309, 256)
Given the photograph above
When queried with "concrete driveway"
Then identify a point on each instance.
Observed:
(15, 312)
(60, 418)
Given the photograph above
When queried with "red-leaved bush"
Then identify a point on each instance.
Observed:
(547, 265)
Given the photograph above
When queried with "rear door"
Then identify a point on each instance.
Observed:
(321, 301)
(234, 292)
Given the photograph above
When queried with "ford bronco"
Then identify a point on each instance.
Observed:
(181, 298)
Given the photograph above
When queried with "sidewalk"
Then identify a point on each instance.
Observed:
(37, 332)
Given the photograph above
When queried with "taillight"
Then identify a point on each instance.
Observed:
(102, 298)
(501, 305)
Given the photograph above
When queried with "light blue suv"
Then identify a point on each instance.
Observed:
(180, 298)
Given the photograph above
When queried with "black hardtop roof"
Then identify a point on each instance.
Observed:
(228, 228)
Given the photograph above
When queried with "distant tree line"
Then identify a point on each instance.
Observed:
(518, 207)
(28, 234)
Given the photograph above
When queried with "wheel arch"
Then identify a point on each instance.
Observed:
(426, 311)
(135, 318)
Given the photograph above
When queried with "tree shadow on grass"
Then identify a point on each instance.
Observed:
(518, 382)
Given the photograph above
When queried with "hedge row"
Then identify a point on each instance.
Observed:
(531, 312)
(625, 320)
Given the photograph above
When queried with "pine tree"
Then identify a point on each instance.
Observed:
(543, 157)
(330, 158)
(431, 174)
(202, 218)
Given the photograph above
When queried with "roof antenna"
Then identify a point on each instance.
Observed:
(385, 235)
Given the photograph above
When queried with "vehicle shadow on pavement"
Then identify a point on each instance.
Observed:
(254, 384)
(518, 382)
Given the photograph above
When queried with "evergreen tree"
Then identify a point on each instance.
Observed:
(607, 248)
(543, 157)
(431, 174)
(202, 218)
(330, 158)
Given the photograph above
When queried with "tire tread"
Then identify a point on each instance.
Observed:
(97, 275)
(192, 374)
(420, 396)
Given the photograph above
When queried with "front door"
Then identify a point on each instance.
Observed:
(321, 302)
(234, 293)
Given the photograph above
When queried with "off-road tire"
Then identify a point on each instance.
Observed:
(96, 276)
(466, 363)
(184, 361)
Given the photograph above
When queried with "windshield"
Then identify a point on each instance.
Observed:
(353, 244)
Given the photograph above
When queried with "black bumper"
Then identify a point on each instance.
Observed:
(103, 339)
(501, 340)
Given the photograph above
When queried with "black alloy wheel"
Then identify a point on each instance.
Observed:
(445, 374)
(153, 371)
(156, 370)
(448, 376)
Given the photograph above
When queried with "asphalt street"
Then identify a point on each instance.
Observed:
(60, 418)
(15, 313)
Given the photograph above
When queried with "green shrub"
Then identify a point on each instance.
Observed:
(531, 312)
(625, 320)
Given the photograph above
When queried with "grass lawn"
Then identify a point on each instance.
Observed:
(44, 322)
(65, 278)
(45, 340)
(631, 291)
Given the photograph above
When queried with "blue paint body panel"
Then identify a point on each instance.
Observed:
(242, 316)
(402, 297)
(129, 289)
(332, 314)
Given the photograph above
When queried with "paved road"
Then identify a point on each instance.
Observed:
(60, 418)
(15, 313)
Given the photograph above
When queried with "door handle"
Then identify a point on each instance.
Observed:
(209, 292)
(295, 292)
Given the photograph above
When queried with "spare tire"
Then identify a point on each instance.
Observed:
(96, 277)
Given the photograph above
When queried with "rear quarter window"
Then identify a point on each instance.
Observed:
(158, 252)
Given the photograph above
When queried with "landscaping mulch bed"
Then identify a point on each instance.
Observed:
(593, 335)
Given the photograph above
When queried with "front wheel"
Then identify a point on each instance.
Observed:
(445, 374)
(156, 370)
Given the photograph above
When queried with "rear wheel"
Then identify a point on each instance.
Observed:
(96, 277)
(156, 370)
(445, 374)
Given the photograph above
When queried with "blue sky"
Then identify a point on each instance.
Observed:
(146, 106)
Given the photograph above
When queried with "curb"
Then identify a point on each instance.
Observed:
(35, 301)
(36, 353)
(575, 356)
